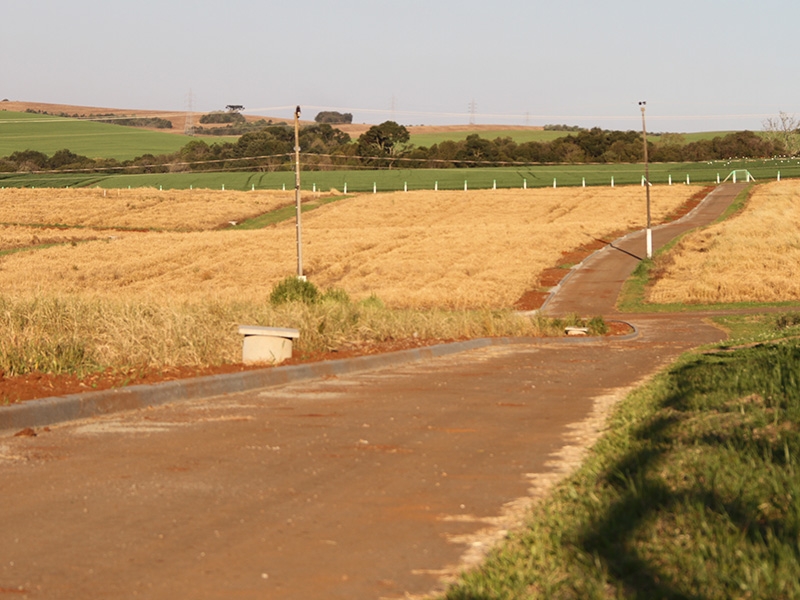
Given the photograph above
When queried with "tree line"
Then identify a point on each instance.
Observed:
(387, 145)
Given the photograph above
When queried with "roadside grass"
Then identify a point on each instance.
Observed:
(693, 492)
(70, 334)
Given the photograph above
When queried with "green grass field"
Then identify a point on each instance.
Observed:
(519, 136)
(537, 135)
(49, 134)
(418, 179)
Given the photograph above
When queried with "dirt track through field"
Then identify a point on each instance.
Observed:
(370, 485)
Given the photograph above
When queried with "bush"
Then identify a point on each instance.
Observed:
(294, 289)
(336, 295)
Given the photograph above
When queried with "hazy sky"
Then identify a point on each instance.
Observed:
(699, 64)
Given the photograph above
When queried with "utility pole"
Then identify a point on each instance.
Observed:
(647, 183)
(297, 193)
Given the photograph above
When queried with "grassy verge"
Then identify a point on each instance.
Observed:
(82, 335)
(692, 493)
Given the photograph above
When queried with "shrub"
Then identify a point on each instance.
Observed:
(294, 289)
(336, 295)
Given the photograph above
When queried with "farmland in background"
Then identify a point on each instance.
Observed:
(751, 257)
(135, 209)
(704, 173)
(419, 137)
(48, 134)
(416, 249)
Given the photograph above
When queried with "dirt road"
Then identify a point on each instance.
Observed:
(370, 485)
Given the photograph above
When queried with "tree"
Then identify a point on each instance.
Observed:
(785, 129)
(383, 139)
(333, 117)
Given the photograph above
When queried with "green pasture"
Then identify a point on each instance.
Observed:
(49, 134)
(389, 180)
(520, 136)
(537, 135)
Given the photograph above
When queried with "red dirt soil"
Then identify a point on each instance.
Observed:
(44, 385)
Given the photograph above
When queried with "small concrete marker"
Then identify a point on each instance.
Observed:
(267, 344)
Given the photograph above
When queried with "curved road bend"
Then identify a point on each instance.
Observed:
(592, 288)
(370, 485)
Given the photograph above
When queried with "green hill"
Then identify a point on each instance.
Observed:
(48, 134)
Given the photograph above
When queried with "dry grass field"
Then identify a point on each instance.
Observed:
(137, 299)
(21, 236)
(142, 208)
(415, 250)
(753, 257)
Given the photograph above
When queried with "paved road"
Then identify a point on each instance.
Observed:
(592, 288)
(370, 485)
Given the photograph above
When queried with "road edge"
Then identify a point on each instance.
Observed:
(58, 409)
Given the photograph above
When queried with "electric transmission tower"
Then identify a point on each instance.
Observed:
(188, 125)
(473, 107)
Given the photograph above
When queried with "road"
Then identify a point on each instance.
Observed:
(377, 484)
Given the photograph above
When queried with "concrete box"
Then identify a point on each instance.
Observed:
(267, 344)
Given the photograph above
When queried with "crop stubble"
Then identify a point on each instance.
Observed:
(418, 249)
(752, 257)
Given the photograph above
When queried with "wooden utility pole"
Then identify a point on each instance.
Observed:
(297, 192)
(647, 184)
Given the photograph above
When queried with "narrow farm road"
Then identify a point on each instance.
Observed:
(371, 485)
(592, 288)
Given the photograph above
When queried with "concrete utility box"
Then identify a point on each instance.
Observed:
(267, 344)
(577, 331)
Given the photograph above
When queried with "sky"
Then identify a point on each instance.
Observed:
(700, 65)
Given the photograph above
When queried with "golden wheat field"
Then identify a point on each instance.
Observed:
(752, 257)
(142, 208)
(417, 249)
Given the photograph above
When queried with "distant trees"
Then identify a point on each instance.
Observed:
(264, 146)
(333, 118)
(220, 117)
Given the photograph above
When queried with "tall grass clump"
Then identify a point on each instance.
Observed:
(694, 492)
